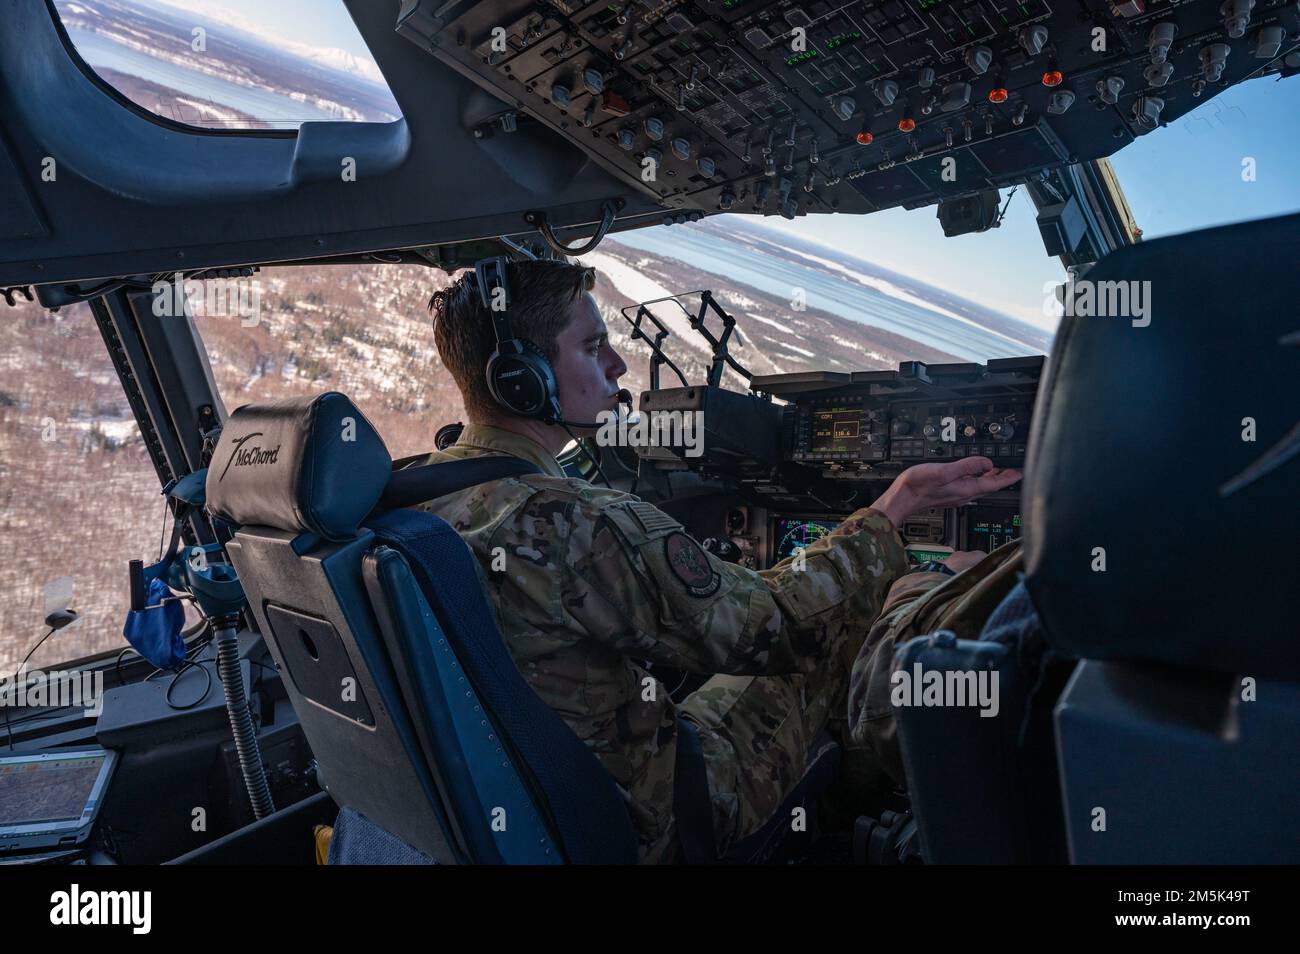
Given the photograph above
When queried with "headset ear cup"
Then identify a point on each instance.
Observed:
(520, 379)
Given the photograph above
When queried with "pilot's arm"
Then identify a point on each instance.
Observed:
(637, 581)
(649, 590)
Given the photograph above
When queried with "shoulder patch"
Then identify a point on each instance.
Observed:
(651, 517)
(690, 564)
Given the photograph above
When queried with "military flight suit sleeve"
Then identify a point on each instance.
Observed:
(643, 586)
(871, 713)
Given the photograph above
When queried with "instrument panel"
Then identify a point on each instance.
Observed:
(856, 424)
(795, 107)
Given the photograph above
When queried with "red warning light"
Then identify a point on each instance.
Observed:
(906, 125)
(1053, 78)
(998, 95)
(864, 138)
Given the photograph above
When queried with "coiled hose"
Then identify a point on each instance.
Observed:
(241, 720)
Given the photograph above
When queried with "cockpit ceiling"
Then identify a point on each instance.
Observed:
(797, 107)
(515, 112)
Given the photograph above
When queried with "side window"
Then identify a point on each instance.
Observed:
(219, 65)
(78, 493)
(364, 330)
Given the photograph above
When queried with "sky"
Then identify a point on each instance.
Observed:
(1185, 176)
(315, 22)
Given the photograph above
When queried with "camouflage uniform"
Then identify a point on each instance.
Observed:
(590, 581)
(919, 604)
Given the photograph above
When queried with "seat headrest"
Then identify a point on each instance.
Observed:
(311, 464)
(1138, 434)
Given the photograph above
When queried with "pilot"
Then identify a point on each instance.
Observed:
(588, 582)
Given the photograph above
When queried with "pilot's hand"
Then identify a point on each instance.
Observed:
(942, 485)
(960, 560)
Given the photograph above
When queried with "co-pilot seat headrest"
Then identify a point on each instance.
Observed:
(1139, 542)
(306, 465)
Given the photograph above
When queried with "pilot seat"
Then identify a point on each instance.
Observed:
(424, 732)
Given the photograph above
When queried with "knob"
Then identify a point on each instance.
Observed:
(1162, 37)
(845, 107)
(955, 96)
(1060, 101)
(1213, 59)
(1146, 112)
(1109, 89)
(626, 139)
(1268, 41)
(654, 128)
(1033, 38)
(1002, 430)
(707, 166)
(925, 78)
(1236, 16)
(969, 430)
(726, 200)
(1158, 74)
(682, 148)
(931, 432)
(886, 91)
(655, 155)
(561, 95)
(979, 59)
(594, 80)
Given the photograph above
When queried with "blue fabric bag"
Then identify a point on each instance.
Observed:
(155, 631)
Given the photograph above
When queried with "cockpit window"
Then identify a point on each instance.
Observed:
(364, 330)
(79, 495)
(853, 293)
(1230, 160)
(233, 64)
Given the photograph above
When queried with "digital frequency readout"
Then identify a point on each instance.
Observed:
(836, 429)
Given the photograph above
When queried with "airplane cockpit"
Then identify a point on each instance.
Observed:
(309, 668)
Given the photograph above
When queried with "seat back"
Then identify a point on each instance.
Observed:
(419, 721)
(1160, 497)
(1009, 810)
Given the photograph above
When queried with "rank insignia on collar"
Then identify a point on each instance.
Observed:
(690, 564)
